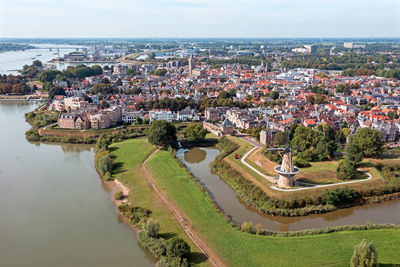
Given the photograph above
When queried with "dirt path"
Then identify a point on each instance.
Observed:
(180, 217)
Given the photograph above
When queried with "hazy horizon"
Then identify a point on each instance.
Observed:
(199, 19)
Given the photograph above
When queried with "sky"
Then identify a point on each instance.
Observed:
(199, 18)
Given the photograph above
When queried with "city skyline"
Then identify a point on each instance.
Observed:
(201, 19)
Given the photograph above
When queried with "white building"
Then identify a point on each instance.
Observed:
(187, 114)
(161, 114)
(131, 116)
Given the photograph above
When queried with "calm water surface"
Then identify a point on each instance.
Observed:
(12, 61)
(54, 210)
(198, 160)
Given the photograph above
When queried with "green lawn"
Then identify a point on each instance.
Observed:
(129, 155)
(241, 249)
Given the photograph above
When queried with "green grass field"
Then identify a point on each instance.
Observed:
(129, 155)
(241, 249)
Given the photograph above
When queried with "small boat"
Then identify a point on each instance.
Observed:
(39, 55)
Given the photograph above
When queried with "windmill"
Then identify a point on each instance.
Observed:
(286, 170)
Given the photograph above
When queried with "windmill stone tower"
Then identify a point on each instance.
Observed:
(286, 170)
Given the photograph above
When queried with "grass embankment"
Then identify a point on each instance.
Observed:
(318, 173)
(376, 186)
(128, 158)
(243, 249)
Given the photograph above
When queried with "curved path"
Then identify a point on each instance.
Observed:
(180, 217)
(309, 186)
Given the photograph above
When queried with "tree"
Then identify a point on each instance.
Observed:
(105, 104)
(365, 255)
(346, 169)
(103, 88)
(280, 138)
(130, 72)
(105, 164)
(172, 262)
(274, 95)
(340, 137)
(369, 141)
(162, 133)
(177, 247)
(353, 152)
(152, 227)
(195, 133)
(160, 72)
(56, 90)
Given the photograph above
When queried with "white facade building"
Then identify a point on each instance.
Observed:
(161, 114)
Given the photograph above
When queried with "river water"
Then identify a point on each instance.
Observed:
(54, 209)
(198, 161)
(12, 61)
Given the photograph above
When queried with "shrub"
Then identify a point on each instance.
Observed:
(258, 229)
(104, 164)
(177, 247)
(301, 162)
(108, 176)
(247, 227)
(172, 262)
(346, 169)
(195, 133)
(365, 255)
(118, 195)
(158, 247)
(341, 196)
(152, 227)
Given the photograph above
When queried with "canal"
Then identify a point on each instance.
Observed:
(198, 161)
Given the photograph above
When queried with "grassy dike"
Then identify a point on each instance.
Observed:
(242, 249)
(128, 158)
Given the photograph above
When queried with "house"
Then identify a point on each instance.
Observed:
(130, 116)
(187, 114)
(161, 114)
(75, 120)
(267, 136)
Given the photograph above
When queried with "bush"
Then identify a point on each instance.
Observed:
(195, 133)
(346, 169)
(118, 195)
(108, 176)
(247, 227)
(301, 162)
(172, 262)
(365, 255)
(341, 196)
(104, 164)
(152, 227)
(177, 247)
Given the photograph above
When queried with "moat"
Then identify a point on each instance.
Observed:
(198, 161)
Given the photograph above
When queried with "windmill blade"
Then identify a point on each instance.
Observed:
(276, 149)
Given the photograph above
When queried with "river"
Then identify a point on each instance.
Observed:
(198, 161)
(12, 61)
(54, 208)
